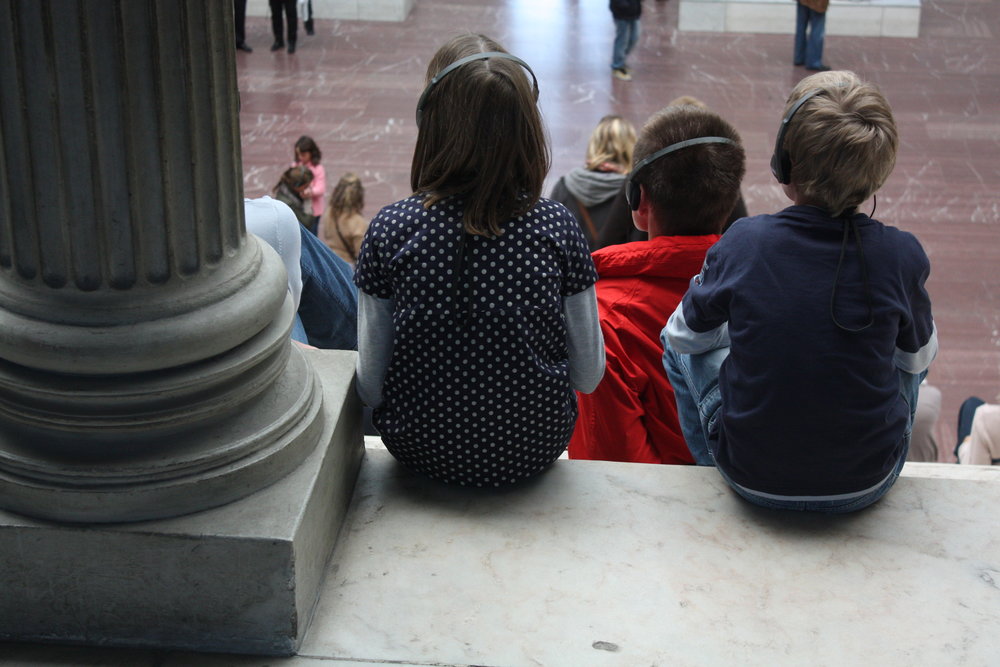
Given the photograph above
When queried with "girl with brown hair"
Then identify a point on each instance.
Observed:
(477, 314)
(343, 227)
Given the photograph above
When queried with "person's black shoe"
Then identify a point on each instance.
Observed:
(244, 47)
(821, 68)
(309, 27)
(277, 45)
(291, 47)
(798, 63)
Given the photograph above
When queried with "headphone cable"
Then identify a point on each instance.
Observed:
(849, 223)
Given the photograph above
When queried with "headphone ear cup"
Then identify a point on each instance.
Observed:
(633, 194)
(786, 168)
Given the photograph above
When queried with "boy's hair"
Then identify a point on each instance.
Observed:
(692, 190)
(307, 144)
(295, 178)
(841, 143)
(687, 101)
(348, 196)
(611, 141)
(480, 137)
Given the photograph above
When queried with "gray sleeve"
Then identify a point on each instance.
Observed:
(584, 340)
(374, 345)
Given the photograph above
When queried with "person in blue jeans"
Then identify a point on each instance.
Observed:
(810, 18)
(626, 14)
(319, 282)
(797, 351)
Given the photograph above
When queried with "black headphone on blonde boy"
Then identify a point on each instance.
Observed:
(781, 167)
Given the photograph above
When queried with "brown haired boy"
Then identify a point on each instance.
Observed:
(684, 198)
(797, 351)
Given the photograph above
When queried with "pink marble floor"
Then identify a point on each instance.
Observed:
(353, 87)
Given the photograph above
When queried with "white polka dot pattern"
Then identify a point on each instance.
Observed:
(477, 390)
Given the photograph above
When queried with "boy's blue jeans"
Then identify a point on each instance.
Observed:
(695, 380)
(626, 35)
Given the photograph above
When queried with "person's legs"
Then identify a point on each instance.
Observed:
(239, 21)
(621, 41)
(695, 381)
(293, 24)
(814, 44)
(633, 38)
(277, 24)
(801, 20)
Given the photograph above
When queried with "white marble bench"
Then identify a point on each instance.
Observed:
(861, 18)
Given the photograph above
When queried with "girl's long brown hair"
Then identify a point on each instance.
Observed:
(480, 138)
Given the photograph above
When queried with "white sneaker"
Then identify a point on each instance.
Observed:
(621, 74)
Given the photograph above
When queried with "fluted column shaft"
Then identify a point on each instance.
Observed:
(145, 366)
(120, 165)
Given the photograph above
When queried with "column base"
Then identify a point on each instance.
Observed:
(241, 578)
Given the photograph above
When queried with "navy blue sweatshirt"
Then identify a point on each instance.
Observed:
(809, 409)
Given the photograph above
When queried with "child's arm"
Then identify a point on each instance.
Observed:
(686, 340)
(916, 342)
(584, 340)
(374, 346)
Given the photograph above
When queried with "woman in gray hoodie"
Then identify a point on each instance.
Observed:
(589, 191)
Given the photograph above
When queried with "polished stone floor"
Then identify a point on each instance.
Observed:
(353, 87)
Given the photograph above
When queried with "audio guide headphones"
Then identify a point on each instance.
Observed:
(781, 162)
(468, 59)
(632, 191)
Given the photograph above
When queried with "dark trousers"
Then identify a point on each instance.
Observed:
(277, 23)
(240, 18)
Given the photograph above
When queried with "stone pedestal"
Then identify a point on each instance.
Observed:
(243, 578)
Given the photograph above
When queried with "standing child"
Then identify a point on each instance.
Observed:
(796, 353)
(307, 154)
(477, 310)
(342, 227)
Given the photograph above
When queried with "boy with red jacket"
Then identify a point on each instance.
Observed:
(688, 164)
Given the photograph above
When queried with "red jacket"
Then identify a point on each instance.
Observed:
(631, 416)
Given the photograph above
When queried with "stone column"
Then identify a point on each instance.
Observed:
(145, 368)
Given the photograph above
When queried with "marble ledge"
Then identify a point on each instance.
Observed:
(616, 564)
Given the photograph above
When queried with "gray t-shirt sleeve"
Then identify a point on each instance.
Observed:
(584, 340)
(374, 345)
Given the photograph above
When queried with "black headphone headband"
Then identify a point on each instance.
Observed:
(632, 192)
(781, 163)
(486, 55)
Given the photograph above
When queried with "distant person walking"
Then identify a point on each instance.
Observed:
(278, 24)
(626, 14)
(811, 17)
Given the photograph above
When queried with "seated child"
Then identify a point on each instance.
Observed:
(292, 190)
(342, 226)
(589, 191)
(796, 353)
(319, 282)
(477, 310)
(682, 196)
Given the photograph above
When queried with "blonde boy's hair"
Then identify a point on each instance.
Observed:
(611, 141)
(842, 143)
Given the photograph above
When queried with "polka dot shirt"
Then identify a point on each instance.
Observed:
(477, 389)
